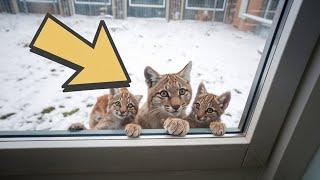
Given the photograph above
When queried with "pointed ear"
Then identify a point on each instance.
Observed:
(123, 90)
(152, 77)
(201, 89)
(224, 100)
(113, 91)
(138, 98)
(185, 72)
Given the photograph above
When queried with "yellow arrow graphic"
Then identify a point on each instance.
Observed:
(98, 64)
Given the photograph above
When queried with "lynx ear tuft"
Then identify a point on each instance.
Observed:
(201, 89)
(224, 100)
(138, 98)
(186, 71)
(152, 76)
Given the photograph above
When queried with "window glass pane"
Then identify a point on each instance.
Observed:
(148, 2)
(93, 1)
(40, 1)
(263, 8)
(206, 3)
(223, 39)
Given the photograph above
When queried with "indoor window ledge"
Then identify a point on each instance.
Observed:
(115, 138)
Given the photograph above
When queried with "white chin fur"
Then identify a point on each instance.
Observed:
(175, 113)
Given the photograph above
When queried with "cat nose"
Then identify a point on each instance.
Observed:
(200, 115)
(122, 111)
(176, 107)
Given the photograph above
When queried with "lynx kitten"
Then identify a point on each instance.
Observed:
(168, 96)
(112, 111)
(207, 110)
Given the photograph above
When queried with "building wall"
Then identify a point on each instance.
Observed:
(119, 10)
(253, 9)
(175, 9)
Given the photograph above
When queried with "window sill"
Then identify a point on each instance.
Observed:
(114, 138)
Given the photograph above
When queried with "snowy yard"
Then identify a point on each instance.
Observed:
(31, 96)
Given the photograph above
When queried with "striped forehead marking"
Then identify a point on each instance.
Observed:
(172, 81)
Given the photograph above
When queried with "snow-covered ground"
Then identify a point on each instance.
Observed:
(31, 97)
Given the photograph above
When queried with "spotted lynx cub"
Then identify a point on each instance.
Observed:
(168, 96)
(207, 110)
(112, 111)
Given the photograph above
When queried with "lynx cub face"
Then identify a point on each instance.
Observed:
(123, 104)
(209, 107)
(168, 94)
(119, 106)
(112, 111)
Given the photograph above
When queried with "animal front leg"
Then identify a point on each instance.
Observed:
(76, 127)
(218, 128)
(133, 130)
(176, 126)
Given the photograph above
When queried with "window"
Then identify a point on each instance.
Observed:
(93, 2)
(147, 8)
(147, 3)
(165, 46)
(261, 65)
(262, 11)
(266, 9)
(206, 5)
(40, 1)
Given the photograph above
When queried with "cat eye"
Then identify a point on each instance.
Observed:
(210, 110)
(98, 118)
(130, 105)
(182, 91)
(117, 103)
(164, 93)
(197, 105)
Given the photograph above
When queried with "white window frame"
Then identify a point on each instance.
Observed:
(205, 9)
(89, 155)
(267, 9)
(163, 5)
(40, 1)
(243, 13)
(88, 2)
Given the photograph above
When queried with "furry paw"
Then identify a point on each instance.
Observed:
(132, 130)
(218, 128)
(176, 126)
(76, 127)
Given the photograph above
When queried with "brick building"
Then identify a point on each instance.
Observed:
(246, 15)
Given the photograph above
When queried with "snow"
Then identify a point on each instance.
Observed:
(224, 58)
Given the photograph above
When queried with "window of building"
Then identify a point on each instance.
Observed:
(147, 3)
(206, 4)
(227, 55)
(40, 1)
(93, 2)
